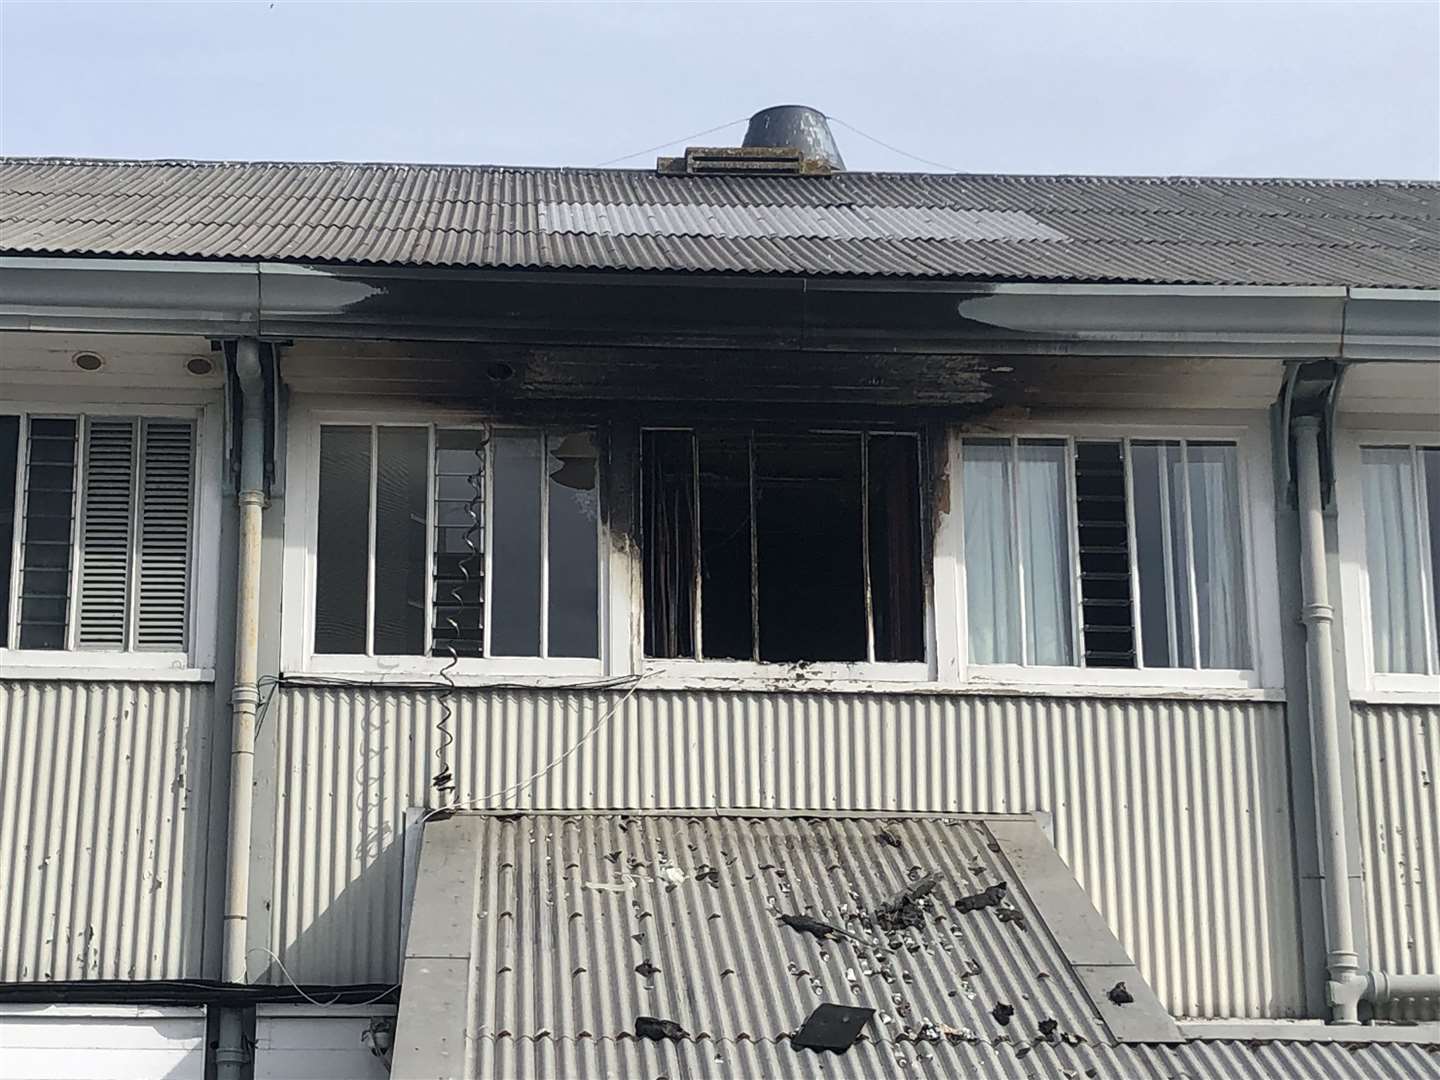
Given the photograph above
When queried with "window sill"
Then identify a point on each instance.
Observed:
(1399, 695)
(423, 672)
(74, 672)
(1092, 682)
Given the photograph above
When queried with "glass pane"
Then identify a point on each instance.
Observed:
(726, 596)
(667, 500)
(1217, 541)
(400, 541)
(1392, 559)
(1162, 553)
(810, 547)
(49, 521)
(897, 585)
(1430, 459)
(9, 466)
(459, 612)
(342, 545)
(1045, 539)
(574, 544)
(992, 597)
(515, 589)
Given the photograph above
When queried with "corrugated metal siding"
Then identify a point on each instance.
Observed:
(1051, 228)
(1397, 764)
(104, 804)
(1173, 815)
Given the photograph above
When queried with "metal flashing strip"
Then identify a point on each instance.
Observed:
(1310, 1031)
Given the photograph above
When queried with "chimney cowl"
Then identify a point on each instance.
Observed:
(797, 126)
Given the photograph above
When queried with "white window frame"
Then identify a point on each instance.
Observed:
(1367, 684)
(298, 656)
(709, 673)
(197, 664)
(1257, 502)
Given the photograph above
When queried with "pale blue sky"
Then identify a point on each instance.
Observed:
(1301, 89)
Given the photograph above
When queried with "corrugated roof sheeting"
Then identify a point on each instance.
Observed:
(1055, 228)
(565, 908)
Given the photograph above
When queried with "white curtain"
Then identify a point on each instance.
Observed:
(991, 585)
(1045, 540)
(1219, 557)
(1392, 557)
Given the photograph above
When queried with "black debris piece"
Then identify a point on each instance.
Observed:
(1048, 1027)
(993, 845)
(613, 857)
(1002, 1013)
(1013, 916)
(806, 925)
(889, 839)
(1119, 995)
(645, 969)
(832, 1027)
(649, 1027)
(987, 897)
(1022, 1051)
(709, 875)
(903, 911)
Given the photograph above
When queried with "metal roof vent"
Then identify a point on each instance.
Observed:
(784, 140)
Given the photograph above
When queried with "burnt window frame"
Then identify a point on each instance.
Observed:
(921, 670)
(298, 637)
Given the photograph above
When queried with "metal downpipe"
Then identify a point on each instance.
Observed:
(244, 697)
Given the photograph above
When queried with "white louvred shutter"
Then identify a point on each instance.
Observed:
(166, 497)
(105, 539)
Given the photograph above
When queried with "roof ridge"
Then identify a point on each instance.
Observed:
(1153, 178)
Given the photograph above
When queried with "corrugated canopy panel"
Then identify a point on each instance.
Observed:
(1174, 230)
(537, 943)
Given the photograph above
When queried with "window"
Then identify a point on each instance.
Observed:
(96, 527)
(782, 547)
(1105, 553)
(1401, 492)
(456, 542)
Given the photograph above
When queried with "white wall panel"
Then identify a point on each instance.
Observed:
(1174, 815)
(75, 1042)
(305, 1043)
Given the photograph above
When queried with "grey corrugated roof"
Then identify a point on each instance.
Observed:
(1175, 230)
(526, 933)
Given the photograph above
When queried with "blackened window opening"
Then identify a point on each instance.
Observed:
(1106, 619)
(782, 547)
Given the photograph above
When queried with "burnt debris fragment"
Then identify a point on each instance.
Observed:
(1013, 916)
(886, 837)
(806, 925)
(645, 969)
(1119, 995)
(1003, 1012)
(991, 896)
(903, 911)
(832, 1027)
(650, 1027)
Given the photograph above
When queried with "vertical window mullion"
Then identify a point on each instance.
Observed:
(754, 554)
(137, 525)
(77, 530)
(1137, 639)
(1189, 528)
(370, 561)
(487, 527)
(22, 443)
(1018, 550)
(1072, 533)
(543, 479)
(1172, 612)
(428, 643)
(865, 544)
(697, 580)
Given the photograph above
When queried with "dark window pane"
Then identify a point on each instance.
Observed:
(342, 556)
(574, 555)
(726, 594)
(810, 547)
(9, 466)
(49, 505)
(668, 541)
(896, 581)
(459, 623)
(1104, 555)
(515, 589)
(400, 541)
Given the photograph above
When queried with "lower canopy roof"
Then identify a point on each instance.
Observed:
(702, 945)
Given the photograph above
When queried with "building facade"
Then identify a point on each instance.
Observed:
(803, 496)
